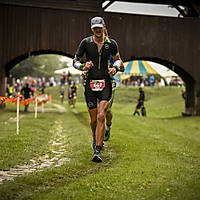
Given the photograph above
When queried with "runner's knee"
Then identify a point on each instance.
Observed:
(101, 117)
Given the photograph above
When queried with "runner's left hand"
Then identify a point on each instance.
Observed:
(112, 71)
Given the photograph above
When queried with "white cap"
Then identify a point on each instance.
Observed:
(97, 22)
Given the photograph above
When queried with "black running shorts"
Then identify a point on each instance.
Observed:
(93, 97)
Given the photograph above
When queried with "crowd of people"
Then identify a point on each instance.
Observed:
(29, 86)
(141, 81)
(26, 87)
(14, 86)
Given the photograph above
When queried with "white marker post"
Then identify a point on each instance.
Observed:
(36, 107)
(17, 115)
(42, 106)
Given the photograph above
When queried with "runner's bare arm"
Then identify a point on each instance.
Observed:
(118, 63)
(79, 56)
(84, 66)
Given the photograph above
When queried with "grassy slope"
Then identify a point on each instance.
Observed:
(156, 157)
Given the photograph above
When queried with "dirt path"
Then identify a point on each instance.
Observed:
(60, 107)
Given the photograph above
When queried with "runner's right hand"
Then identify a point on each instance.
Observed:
(88, 65)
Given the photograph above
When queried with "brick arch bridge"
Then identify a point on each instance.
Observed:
(32, 27)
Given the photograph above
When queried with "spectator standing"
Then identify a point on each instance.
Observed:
(26, 92)
(151, 80)
(140, 103)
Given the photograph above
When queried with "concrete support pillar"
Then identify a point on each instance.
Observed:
(2, 84)
(190, 100)
(197, 99)
(192, 103)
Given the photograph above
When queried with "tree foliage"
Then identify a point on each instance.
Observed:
(39, 66)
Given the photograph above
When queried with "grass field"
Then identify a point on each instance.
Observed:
(151, 158)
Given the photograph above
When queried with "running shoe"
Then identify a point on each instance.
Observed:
(93, 145)
(107, 134)
(97, 157)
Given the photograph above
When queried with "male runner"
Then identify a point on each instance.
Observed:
(62, 94)
(98, 88)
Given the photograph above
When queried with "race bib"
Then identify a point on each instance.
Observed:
(97, 85)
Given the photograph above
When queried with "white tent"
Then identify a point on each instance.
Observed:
(72, 71)
(67, 60)
(162, 70)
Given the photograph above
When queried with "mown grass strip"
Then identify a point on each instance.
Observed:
(156, 157)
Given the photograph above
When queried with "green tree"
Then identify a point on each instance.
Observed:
(38, 66)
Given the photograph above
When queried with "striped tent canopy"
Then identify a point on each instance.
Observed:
(138, 68)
